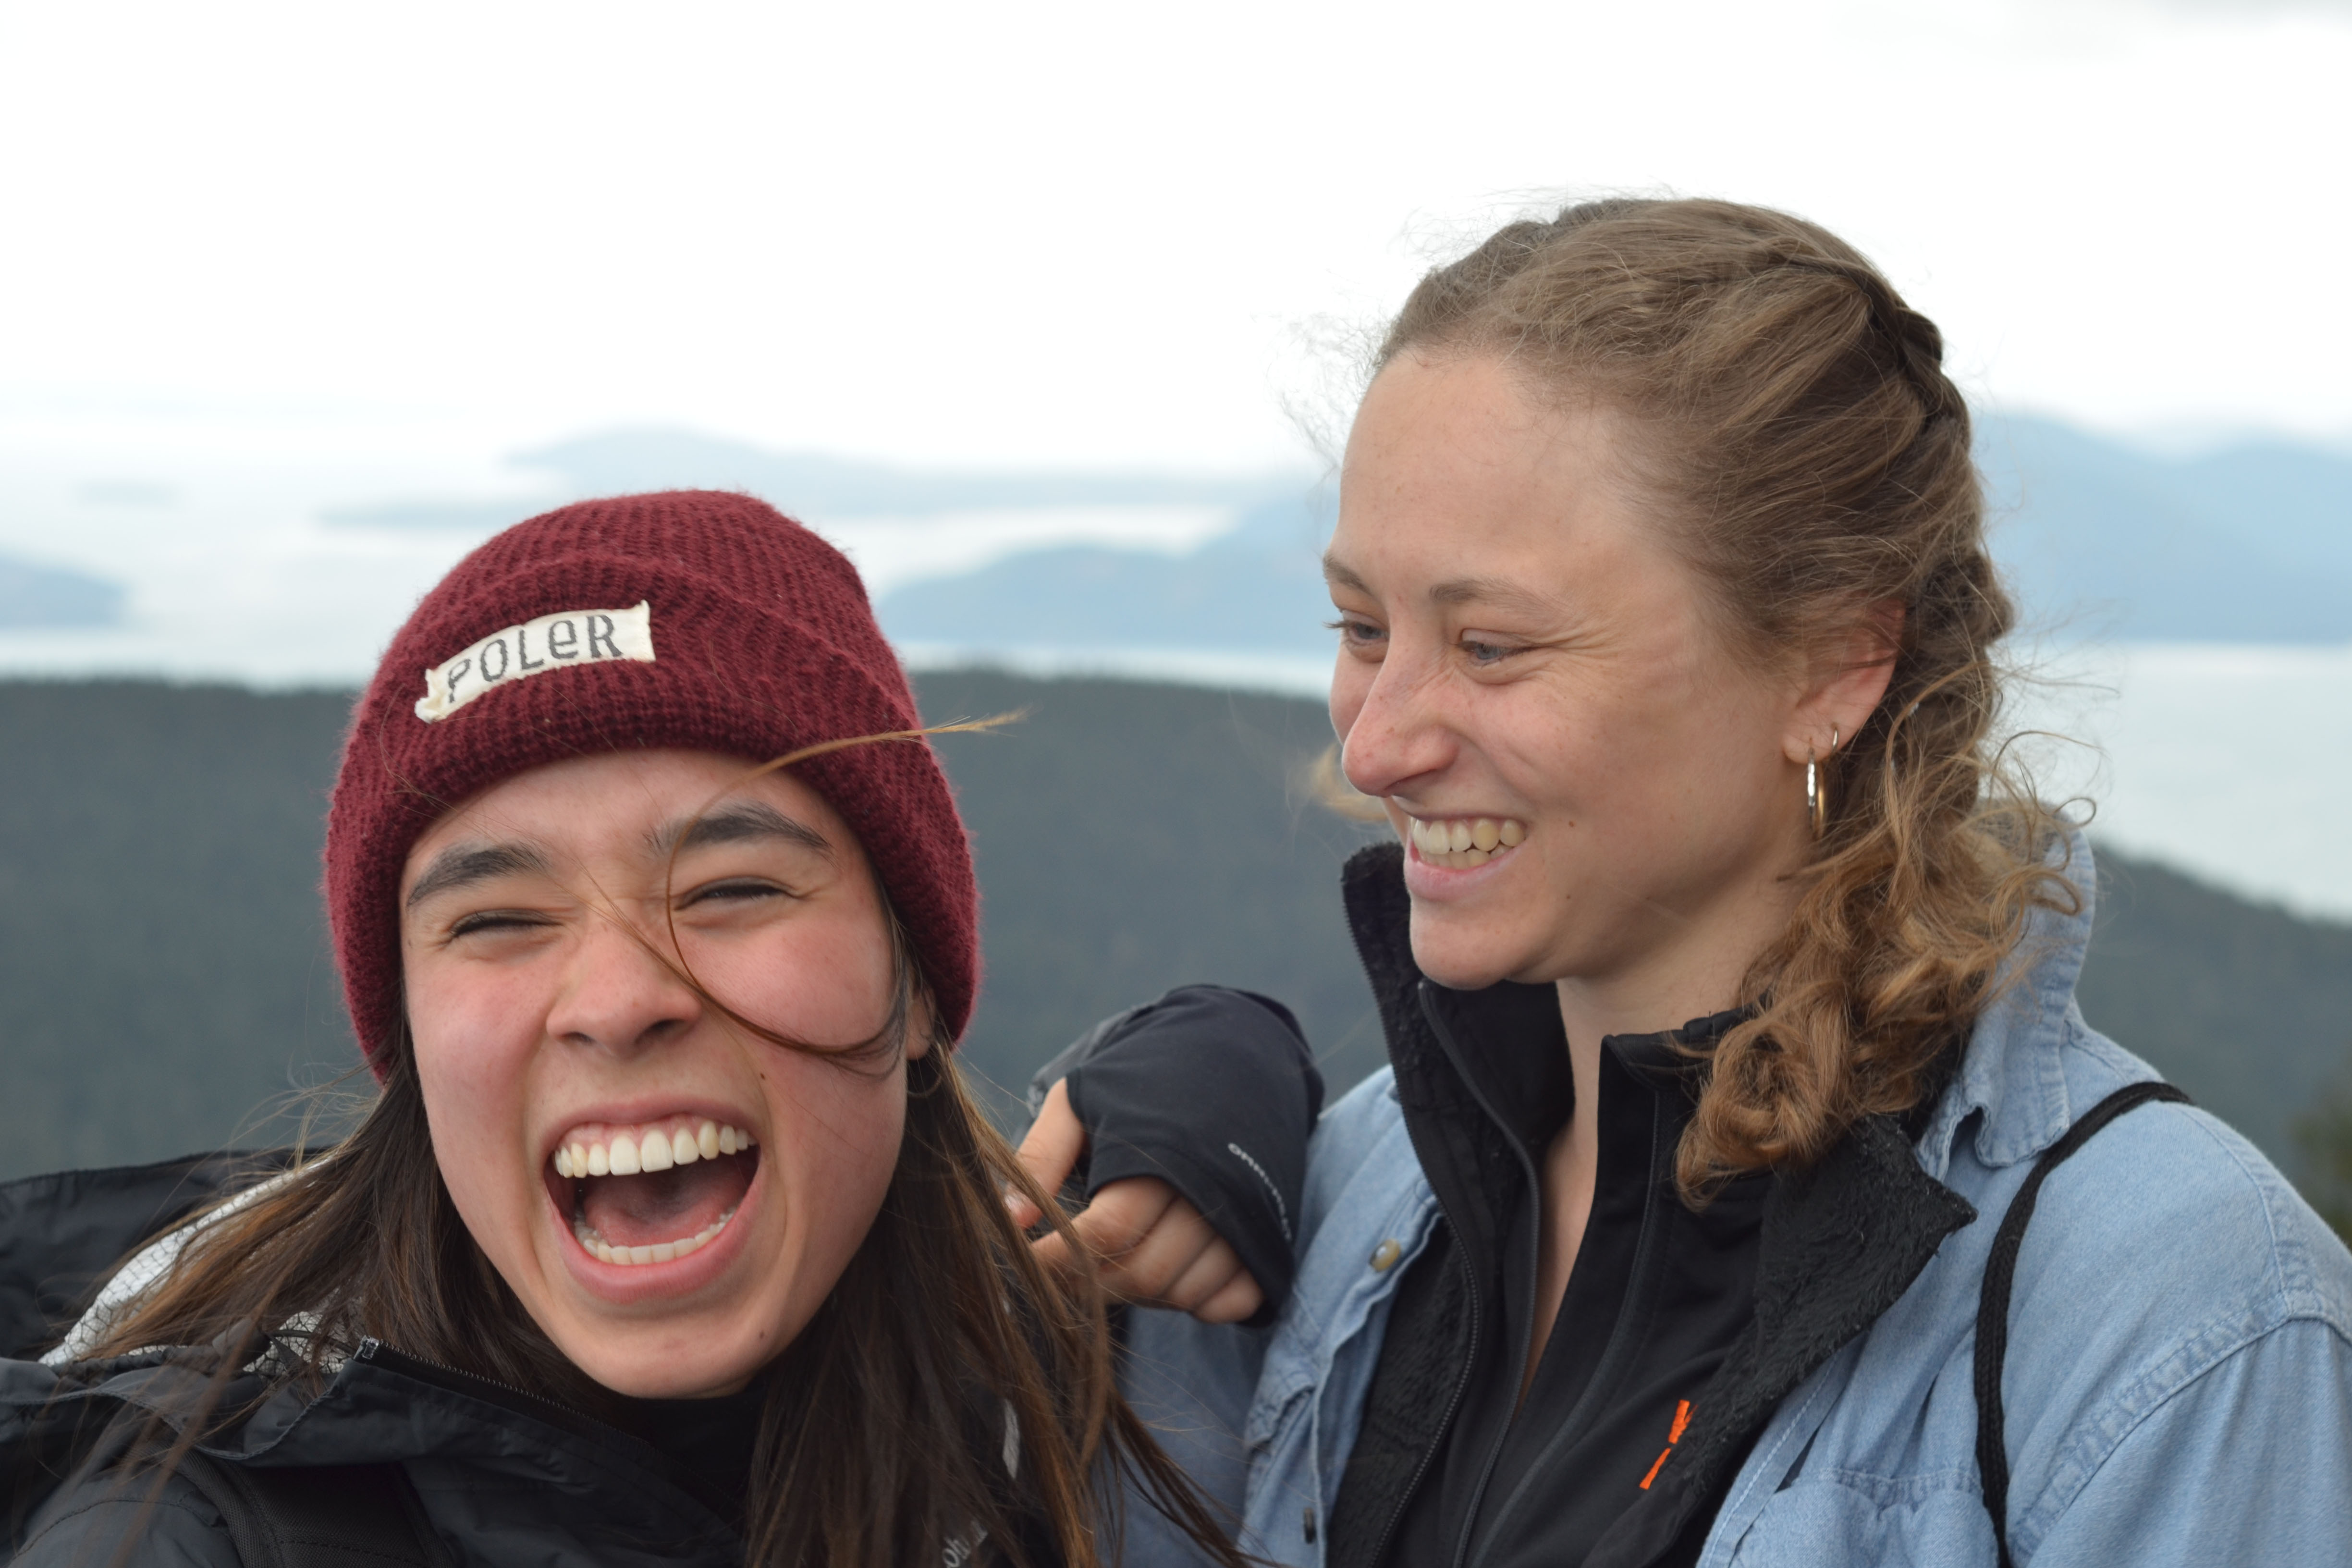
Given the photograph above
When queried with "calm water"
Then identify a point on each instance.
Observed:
(2229, 760)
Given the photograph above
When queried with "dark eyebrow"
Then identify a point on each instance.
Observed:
(736, 823)
(468, 863)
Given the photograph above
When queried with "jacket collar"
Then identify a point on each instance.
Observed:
(2010, 1080)
(380, 1407)
(2011, 1077)
(1839, 1244)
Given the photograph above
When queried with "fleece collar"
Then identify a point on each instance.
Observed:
(1840, 1243)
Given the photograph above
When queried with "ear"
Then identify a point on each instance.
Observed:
(918, 1028)
(1847, 684)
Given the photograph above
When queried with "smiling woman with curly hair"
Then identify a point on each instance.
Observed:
(1727, 980)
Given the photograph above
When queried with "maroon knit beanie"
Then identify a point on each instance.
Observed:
(694, 619)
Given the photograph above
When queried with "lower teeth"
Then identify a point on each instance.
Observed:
(604, 1251)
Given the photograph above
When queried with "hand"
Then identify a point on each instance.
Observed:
(1149, 1246)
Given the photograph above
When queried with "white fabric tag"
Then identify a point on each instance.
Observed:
(570, 636)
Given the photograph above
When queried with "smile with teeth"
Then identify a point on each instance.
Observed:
(651, 1193)
(1462, 842)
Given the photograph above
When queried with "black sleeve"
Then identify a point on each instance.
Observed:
(1215, 1091)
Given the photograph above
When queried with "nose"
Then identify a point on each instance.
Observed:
(619, 997)
(1397, 735)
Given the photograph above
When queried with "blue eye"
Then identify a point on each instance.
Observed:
(1354, 631)
(1485, 652)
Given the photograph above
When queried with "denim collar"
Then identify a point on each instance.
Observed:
(2012, 1077)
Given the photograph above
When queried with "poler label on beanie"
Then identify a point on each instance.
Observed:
(568, 636)
(768, 646)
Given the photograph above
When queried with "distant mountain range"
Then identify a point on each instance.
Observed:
(2251, 543)
(165, 968)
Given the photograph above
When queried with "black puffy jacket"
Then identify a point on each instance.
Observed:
(495, 1476)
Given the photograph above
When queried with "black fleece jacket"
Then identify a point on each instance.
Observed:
(1680, 1332)
(1729, 1309)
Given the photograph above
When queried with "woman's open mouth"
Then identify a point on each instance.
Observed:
(650, 1192)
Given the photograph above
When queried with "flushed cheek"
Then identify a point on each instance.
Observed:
(833, 1122)
(832, 1166)
(479, 1146)
(826, 992)
(475, 1030)
(837, 1130)
(476, 1084)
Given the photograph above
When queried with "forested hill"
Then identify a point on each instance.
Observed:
(163, 971)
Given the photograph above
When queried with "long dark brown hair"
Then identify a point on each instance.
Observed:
(879, 1440)
(1809, 458)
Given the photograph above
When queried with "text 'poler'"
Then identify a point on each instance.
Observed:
(550, 642)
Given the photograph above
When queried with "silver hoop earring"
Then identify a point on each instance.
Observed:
(1817, 803)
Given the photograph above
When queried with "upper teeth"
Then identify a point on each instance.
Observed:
(1463, 841)
(654, 1146)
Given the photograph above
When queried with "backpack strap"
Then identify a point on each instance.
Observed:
(319, 1516)
(2000, 1274)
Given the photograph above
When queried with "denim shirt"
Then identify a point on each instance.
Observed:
(2178, 1380)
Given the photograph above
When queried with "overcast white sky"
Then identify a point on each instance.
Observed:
(1070, 233)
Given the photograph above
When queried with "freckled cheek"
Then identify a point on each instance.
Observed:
(1612, 756)
(1566, 768)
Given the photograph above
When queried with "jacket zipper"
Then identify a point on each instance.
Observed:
(1528, 1172)
(1470, 1283)
(375, 1353)
(1620, 1334)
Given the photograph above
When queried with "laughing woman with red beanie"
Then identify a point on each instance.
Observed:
(671, 1235)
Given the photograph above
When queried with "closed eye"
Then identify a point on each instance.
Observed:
(497, 919)
(734, 891)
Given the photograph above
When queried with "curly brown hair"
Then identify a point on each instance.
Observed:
(1813, 464)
